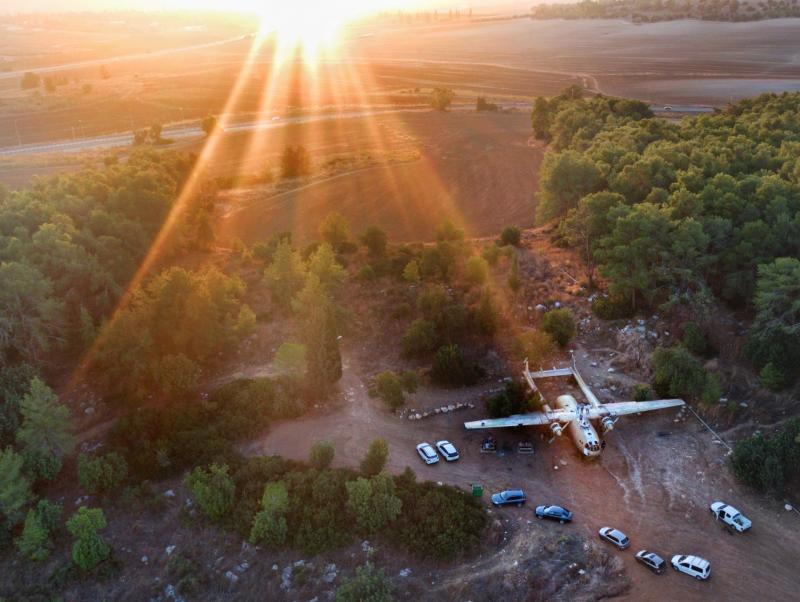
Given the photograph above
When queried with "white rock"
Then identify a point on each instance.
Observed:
(581, 572)
(274, 567)
(169, 550)
(169, 493)
(232, 577)
(144, 559)
(404, 573)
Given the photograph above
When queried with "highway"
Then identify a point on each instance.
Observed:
(189, 130)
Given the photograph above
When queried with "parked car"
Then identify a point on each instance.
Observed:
(448, 450)
(427, 453)
(510, 496)
(697, 567)
(614, 536)
(651, 560)
(730, 516)
(558, 513)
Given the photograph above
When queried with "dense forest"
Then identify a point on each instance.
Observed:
(644, 11)
(683, 214)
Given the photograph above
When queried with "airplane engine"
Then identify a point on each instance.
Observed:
(555, 427)
(608, 424)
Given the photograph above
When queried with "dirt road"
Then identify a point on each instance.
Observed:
(654, 482)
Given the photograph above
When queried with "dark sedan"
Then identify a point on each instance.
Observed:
(558, 513)
(651, 560)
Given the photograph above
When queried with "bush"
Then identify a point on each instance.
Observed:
(269, 525)
(558, 323)
(369, 584)
(642, 393)
(612, 308)
(441, 98)
(438, 522)
(295, 162)
(773, 377)
(373, 503)
(535, 346)
(391, 387)
(481, 104)
(101, 474)
(375, 240)
(420, 339)
(678, 374)
(486, 317)
(89, 548)
(516, 398)
(450, 369)
(367, 273)
(411, 272)
(213, 490)
(769, 464)
(375, 459)
(35, 542)
(322, 454)
(511, 235)
(695, 341)
(477, 270)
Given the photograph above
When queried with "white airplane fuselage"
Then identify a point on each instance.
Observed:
(583, 434)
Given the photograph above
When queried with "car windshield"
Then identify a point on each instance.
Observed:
(448, 448)
(427, 451)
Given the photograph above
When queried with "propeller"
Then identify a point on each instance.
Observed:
(608, 423)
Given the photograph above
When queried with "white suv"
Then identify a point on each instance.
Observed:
(730, 516)
(697, 567)
(427, 453)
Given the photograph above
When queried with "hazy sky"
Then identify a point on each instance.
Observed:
(24, 6)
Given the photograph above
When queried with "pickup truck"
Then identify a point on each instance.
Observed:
(730, 516)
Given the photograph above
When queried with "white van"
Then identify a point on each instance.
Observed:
(697, 567)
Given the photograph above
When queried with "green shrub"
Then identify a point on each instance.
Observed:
(773, 377)
(367, 273)
(511, 235)
(612, 308)
(438, 522)
(451, 370)
(369, 584)
(373, 503)
(374, 239)
(420, 339)
(486, 317)
(269, 524)
(89, 548)
(642, 393)
(322, 454)
(516, 398)
(35, 542)
(477, 270)
(769, 464)
(536, 346)
(678, 374)
(101, 474)
(391, 387)
(213, 489)
(375, 459)
(558, 323)
(695, 341)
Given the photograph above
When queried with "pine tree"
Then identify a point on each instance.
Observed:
(44, 433)
(15, 488)
(89, 548)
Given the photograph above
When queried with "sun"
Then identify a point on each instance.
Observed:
(310, 29)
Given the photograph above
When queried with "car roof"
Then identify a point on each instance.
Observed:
(554, 507)
(617, 533)
(514, 492)
(697, 561)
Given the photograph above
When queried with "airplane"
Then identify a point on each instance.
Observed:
(575, 416)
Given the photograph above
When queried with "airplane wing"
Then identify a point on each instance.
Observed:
(532, 419)
(632, 407)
